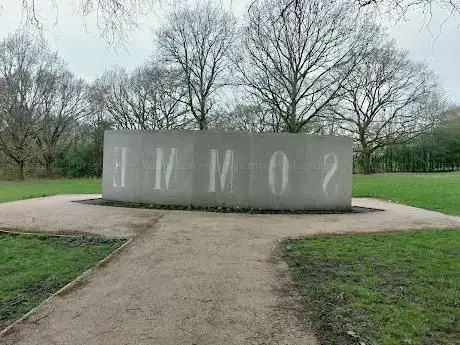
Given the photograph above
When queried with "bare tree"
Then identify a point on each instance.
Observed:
(386, 100)
(402, 7)
(198, 41)
(124, 109)
(297, 54)
(169, 95)
(398, 9)
(115, 18)
(248, 117)
(90, 130)
(26, 65)
(62, 107)
(151, 97)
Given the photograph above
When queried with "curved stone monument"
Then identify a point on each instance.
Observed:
(229, 169)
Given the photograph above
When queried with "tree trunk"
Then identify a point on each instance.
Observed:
(366, 162)
(49, 168)
(203, 115)
(21, 171)
(202, 125)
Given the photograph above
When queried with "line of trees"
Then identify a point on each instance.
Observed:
(436, 150)
(299, 66)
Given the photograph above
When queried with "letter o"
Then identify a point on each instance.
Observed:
(284, 173)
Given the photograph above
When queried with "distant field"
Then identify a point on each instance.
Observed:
(10, 191)
(439, 192)
(380, 289)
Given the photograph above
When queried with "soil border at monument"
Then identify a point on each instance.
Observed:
(220, 209)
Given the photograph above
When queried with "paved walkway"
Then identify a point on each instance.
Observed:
(188, 277)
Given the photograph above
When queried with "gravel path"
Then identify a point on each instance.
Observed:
(188, 277)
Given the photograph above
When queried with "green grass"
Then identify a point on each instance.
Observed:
(438, 192)
(32, 267)
(380, 289)
(10, 191)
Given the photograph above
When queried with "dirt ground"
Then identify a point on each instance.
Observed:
(188, 277)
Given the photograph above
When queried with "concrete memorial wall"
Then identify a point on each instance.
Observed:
(230, 169)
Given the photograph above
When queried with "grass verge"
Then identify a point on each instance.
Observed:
(438, 192)
(381, 289)
(10, 191)
(33, 267)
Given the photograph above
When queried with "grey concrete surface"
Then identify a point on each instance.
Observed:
(187, 277)
(272, 171)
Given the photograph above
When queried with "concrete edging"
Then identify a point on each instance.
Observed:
(66, 288)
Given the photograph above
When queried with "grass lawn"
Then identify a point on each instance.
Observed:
(439, 192)
(380, 289)
(32, 267)
(10, 191)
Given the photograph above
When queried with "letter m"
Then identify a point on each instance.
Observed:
(215, 168)
(165, 169)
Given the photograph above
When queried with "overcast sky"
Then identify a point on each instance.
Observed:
(78, 40)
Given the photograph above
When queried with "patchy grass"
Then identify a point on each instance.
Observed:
(438, 192)
(381, 289)
(10, 191)
(32, 267)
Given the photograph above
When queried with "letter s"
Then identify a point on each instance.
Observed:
(331, 173)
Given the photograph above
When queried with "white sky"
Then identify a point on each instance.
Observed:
(78, 41)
